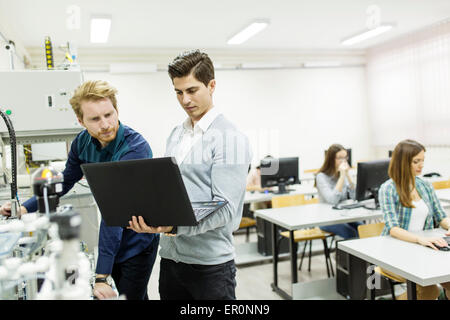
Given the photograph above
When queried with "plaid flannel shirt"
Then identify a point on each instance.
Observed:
(396, 215)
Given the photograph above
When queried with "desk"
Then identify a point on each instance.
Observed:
(443, 195)
(263, 248)
(260, 196)
(306, 216)
(416, 263)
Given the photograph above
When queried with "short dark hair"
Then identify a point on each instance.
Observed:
(192, 62)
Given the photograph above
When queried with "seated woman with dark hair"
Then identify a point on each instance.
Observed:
(334, 185)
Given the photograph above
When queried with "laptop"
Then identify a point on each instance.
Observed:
(151, 188)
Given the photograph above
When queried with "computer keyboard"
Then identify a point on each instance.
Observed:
(348, 206)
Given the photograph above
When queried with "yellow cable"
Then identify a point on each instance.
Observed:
(69, 57)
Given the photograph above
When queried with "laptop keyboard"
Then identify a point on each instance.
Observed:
(348, 206)
(352, 205)
(200, 213)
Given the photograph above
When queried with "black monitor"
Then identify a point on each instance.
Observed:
(279, 172)
(349, 155)
(390, 153)
(371, 175)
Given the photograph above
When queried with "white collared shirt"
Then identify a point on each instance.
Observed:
(191, 135)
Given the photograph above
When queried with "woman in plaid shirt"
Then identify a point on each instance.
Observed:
(410, 204)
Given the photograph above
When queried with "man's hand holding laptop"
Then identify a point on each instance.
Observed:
(138, 225)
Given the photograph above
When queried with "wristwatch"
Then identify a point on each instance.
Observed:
(106, 280)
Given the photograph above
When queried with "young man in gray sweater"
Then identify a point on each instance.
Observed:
(213, 156)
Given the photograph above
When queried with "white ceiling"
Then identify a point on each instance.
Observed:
(295, 24)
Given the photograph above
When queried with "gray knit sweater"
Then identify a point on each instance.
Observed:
(328, 194)
(214, 169)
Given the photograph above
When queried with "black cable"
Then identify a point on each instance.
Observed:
(12, 142)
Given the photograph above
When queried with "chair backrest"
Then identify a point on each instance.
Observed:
(287, 201)
(291, 200)
(370, 230)
(311, 170)
(441, 184)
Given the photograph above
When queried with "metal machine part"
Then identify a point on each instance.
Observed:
(12, 140)
(47, 183)
(45, 245)
(70, 272)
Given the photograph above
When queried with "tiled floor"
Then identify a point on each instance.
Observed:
(254, 281)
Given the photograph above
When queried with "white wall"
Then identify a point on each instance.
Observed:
(408, 89)
(285, 112)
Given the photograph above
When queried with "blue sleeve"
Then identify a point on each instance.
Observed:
(109, 241)
(138, 149)
(438, 213)
(72, 174)
(387, 198)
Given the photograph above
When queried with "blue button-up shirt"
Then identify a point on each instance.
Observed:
(116, 244)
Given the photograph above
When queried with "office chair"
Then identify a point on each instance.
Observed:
(311, 171)
(441, 184)
(373, 230)
(247, 221)
(306, 235)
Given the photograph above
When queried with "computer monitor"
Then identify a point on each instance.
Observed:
(349, 155)
(279, 172)
(370, 176)
(390, 153)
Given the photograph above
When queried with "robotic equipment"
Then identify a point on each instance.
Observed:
(41, 250)
(12, 140)
(47, 183)
(41, 256)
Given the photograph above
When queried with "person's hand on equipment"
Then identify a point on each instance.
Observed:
(5, 209)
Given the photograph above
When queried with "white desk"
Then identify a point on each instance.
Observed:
(249, 252)
(314, 215)
(306, 216)
(414, 262)
(257, 196)
(443, 194)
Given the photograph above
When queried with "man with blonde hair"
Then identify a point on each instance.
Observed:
(124, 254)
